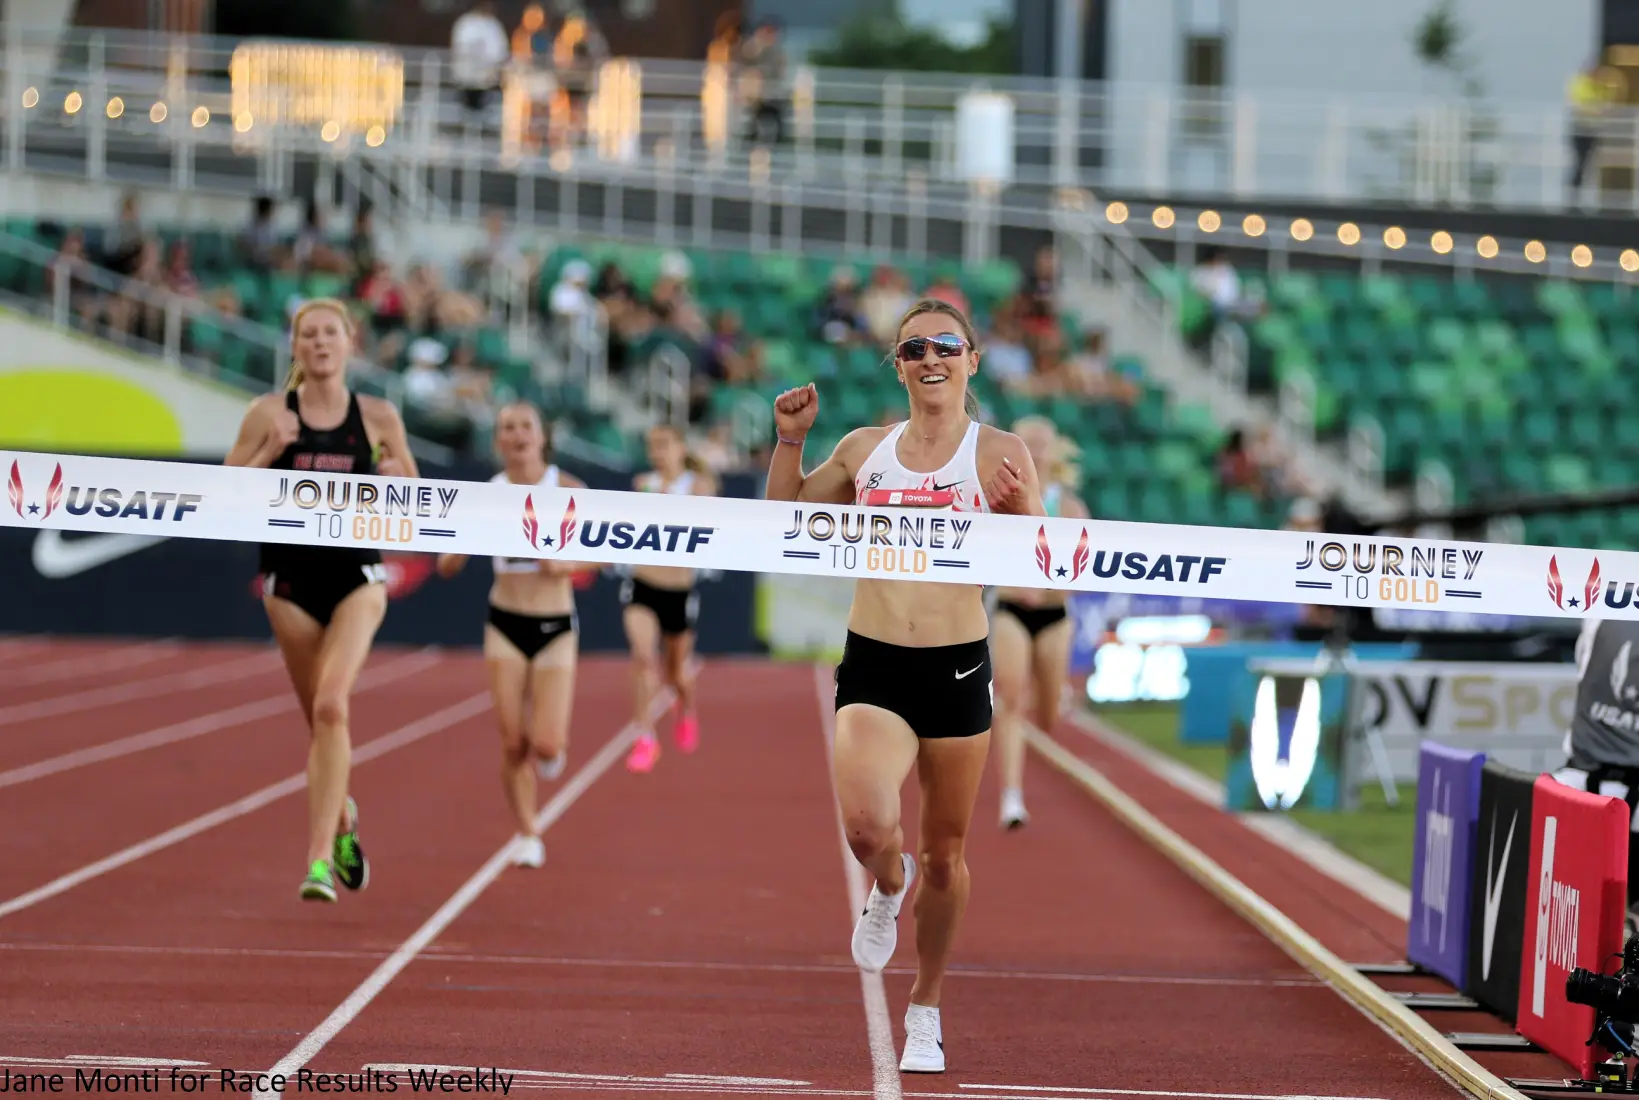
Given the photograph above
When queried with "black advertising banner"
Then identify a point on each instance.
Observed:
(1498, 878)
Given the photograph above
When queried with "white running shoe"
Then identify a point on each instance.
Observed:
(1014, 814)
(528, 851)
(876, 933)
(924, 1041)
(551, 769)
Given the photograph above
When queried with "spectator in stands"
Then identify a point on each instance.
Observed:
(1238, 468)
(312, 250)
(578, 52)
(1042, 284)
(139, 308)
(425, 382)
(383, 299)
(478, 42)
(571, 298)
(673, 304)
(884, 302)
(179, 273)
(259, 245)
(85, 301)
(472, 385)
(763, 83)
(839, 319)
(361, 246)
(944, 289)
(1589, 99)
(1216, 280)
(1007, 358)
(123, 245)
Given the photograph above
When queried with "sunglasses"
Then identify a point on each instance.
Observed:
(946, 345)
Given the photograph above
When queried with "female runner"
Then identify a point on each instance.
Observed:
(325, 603)
(661, 607)
(913, 687)
(1030, 631)
(531, 638)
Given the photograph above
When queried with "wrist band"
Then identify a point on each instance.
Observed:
(788, 442)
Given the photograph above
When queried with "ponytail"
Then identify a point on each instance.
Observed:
(294, 379)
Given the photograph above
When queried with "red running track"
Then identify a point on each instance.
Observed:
(689, 933)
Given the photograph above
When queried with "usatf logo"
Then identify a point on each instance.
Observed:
(622, 534)
(105, 503)
(1133, 565)
(1044, 557)
(1590, 590)
(911, 546)
(14, 490)
(1402, 574)
(381, 514)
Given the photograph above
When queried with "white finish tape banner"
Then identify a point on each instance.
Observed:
(186, 500)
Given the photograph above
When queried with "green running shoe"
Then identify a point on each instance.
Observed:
(318, 885)
(351, 866)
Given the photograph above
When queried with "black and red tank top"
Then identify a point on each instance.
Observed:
(344, 449)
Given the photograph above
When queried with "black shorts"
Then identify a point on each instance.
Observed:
(530, 634)
(1033, 619)
(940, 691)
(320, 590)
(676, 608)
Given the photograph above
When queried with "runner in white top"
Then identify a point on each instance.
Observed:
(1030, 629)
(531, 638)
(661, 607)
(913, 688)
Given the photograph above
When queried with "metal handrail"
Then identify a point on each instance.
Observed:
(1264, 146)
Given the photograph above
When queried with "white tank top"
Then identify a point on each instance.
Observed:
(651, 483)
(549, 480)
(883, 470)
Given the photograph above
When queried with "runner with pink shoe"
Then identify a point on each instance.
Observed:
(661, 606)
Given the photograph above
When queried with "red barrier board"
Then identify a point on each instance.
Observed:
(1574, 913)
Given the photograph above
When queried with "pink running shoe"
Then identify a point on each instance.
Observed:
(687, 733)
(645, 752)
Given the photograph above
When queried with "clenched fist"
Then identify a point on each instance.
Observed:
(285, 428)
(795, 410)
(1005, 491)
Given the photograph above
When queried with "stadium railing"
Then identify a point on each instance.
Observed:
(1115, 137)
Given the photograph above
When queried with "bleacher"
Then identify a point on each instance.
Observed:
(1511, 383)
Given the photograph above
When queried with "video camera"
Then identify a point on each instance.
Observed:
(1615, 1001)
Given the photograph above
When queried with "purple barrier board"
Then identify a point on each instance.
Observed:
(1448, 803)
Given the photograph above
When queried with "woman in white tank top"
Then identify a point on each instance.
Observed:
(1030, 630)
(531, 637)
(660, 608)
(913, 688)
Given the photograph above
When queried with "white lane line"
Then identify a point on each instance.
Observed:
(878, 1022)
(394, 964)
(387, 742)
(389, 673)
(226, 672)
(658, 964)
(1073, 1090)
(115, 659)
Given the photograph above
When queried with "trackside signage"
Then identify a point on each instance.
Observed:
(1573, 912)
(1497, 887)
(1448, 803)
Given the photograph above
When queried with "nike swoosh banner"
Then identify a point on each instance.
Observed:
(1448, 803)
(193, 501)
(1497, 883)
(1574, 906)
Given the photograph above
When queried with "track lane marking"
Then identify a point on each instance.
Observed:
(244, 713)
(226, 672)
(885, 1083)
(380, 746)
(469, 892)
